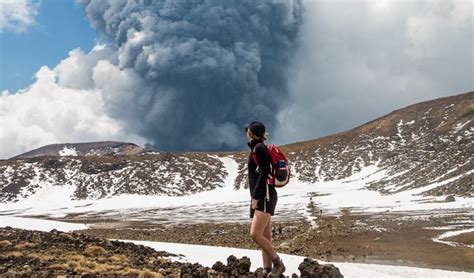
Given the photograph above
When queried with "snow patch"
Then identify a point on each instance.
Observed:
(224, 204)
(68, 151)
(459, 126)
(232, 169)
(39, 224)
(440, 238)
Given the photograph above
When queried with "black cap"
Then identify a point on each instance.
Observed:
(257, 128)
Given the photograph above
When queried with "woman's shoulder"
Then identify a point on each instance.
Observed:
(260, 148)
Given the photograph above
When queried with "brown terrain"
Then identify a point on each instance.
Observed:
(383, 238)
(48, 254)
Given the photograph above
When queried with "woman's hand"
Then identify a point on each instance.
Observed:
(254, 203)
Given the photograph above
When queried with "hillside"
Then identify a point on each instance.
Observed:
(429, 144)
(100, 176)
(418, 145)
(83, 149)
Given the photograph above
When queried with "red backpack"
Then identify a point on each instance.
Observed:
(280, 169)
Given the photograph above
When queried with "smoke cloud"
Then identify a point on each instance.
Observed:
(200, 69)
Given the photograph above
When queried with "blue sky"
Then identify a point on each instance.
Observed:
(61, 25)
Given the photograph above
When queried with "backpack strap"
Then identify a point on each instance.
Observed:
(272, 168)
(254, 154)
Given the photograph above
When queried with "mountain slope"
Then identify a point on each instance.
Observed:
(93, 177)
(429, 144)
(426, 143)
(84, 149)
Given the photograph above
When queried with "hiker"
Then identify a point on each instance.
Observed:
(263, 198)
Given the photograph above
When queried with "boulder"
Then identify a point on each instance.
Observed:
(450, 198)
(310, 268)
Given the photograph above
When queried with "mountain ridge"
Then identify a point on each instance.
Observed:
(83, 148)
(427, 145)
(468, 94)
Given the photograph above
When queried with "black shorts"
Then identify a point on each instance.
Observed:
(265, 206)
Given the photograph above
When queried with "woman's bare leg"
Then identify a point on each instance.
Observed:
(267, 232)
(259, 222)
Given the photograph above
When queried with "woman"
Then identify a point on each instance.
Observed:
(263, 198)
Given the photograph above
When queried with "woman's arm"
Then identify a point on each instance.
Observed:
(263, 158)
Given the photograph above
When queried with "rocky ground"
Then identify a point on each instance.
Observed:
(26, 253)
(387, 238)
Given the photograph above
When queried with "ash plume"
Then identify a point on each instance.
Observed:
(206, 67)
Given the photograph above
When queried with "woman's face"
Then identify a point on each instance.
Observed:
(247, 132)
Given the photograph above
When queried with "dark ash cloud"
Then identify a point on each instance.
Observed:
(205, 67)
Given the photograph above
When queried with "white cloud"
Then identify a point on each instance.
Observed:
(17, 15)
(59, 108)
(361, 60)
(76, 71)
